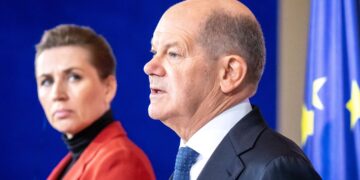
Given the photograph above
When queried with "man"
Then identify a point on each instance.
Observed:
(208, 58)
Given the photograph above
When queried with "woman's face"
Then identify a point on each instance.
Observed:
(70, 90)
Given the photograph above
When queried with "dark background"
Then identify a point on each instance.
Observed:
(30, 148)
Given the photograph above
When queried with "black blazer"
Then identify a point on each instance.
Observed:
(251, 151)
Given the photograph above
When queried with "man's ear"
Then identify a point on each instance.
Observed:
(232, 73)
(110, 88)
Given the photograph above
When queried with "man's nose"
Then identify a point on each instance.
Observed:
(154, 67)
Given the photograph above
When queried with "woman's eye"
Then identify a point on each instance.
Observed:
(74, 77)
(46, 82)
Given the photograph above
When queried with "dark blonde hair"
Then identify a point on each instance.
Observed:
(102, 59)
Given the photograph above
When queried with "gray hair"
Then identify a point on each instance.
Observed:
(224, 34)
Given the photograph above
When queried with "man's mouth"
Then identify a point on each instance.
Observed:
(156, 91)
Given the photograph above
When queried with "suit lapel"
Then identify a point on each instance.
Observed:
(225, 162)
(235, 168)
(172, 176)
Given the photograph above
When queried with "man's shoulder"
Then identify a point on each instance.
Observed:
(252, 150)
(253, 132)
(274, 143)
(275, 152)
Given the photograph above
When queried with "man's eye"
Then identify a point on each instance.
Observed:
(74, 77)
(173, 54)
(153, 52)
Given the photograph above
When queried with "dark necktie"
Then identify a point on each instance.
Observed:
(185, 158)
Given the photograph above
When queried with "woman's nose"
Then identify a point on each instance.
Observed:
(59, 92)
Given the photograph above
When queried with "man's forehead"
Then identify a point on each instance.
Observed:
(167, 39)
(179, 21)
(176, 26)
(172, 30)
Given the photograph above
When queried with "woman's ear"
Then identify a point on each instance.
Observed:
(110, 88)
(233, 72)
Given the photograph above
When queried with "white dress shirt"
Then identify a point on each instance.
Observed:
(207, 138)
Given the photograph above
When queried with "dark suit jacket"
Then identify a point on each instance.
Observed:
(111, 155)
(251, 151)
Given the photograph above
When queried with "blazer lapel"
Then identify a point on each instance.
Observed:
(111, 131)
(225, 162)
(60, 167)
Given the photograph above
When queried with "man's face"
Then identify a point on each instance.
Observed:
(182, 78)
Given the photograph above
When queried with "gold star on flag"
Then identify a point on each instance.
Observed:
(353, 105)
(307, 124)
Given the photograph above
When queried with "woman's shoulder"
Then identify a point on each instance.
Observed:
(123, 157)
(114, 142)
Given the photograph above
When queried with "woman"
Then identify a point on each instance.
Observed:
(75, 74)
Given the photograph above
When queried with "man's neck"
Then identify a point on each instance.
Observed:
(204, 115)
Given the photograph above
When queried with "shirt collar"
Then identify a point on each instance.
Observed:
(207, 138)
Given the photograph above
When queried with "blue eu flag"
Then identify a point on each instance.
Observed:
(331, 110)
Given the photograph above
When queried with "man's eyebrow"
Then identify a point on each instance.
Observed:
(167, 44)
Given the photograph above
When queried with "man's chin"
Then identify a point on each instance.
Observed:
(154, 116)
(154, 113)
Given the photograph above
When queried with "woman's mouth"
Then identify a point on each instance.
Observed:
(62, 113)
